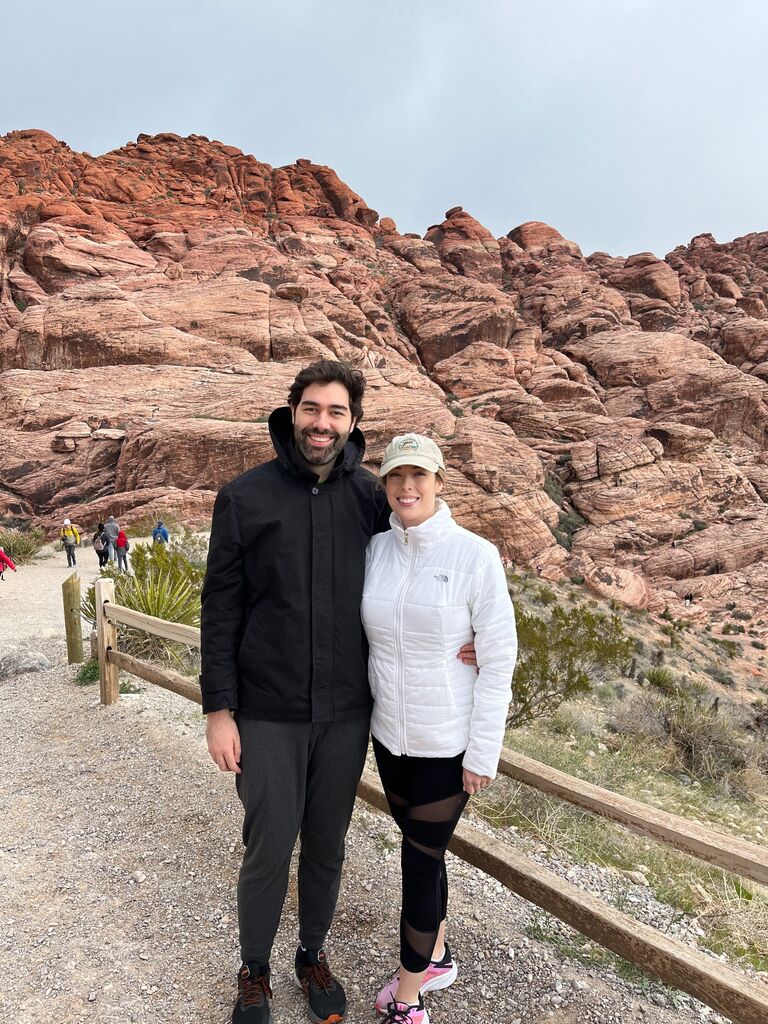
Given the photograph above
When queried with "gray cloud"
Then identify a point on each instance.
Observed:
(628, 126)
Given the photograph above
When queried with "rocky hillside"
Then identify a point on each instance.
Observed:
(602, 417)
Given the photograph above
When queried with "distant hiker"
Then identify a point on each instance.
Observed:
(688, 600)
(112, 528)
(160, 533)
(70, 539)
(6, 562)
(122, 546)
(101, 545)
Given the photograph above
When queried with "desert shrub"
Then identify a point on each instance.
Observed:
(577, 579)
(88, 673)
(744, 616)
(662, 679)
(143, 525)
(560, 657)
(568, 524)
(545, 595)
(730, 605)
(554, 489)
(165, 582)
(720, 675)
(705, 740)
(21, 545)
(758, 645)
(699, 524)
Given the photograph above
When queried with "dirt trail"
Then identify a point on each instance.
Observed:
(119, 853)
(31, 605)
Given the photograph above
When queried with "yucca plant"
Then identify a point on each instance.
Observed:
(165, 582)
(21, 545)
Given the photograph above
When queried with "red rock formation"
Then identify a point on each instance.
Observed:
(156, 301)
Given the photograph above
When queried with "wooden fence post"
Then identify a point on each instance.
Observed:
(70, 590)
(106, 631)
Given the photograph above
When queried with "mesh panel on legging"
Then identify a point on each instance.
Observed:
(427, 830)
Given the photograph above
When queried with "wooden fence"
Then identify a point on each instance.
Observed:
(724, 989)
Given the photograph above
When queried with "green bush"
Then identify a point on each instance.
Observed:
(89, 672)
(699, 524)
(577, 579)
(662, 679)
(559, 658)
(568, 524)
(166, 582)
(21, 545)
(744, 616)
(758, 644)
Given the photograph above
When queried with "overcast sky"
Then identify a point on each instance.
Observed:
(629, 125)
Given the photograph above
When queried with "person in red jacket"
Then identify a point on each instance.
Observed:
(6, 562)
(122, 547)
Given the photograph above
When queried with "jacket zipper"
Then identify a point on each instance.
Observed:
(400, 662)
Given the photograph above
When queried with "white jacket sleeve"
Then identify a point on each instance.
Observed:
(493, 621)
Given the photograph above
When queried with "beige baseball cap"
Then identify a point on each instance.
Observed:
(412, 450)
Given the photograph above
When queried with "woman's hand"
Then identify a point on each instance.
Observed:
(474, 783)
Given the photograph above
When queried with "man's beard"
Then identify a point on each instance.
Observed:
(325, 455)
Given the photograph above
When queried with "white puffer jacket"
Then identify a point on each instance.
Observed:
(427, 591)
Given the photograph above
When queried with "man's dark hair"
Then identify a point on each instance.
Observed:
(331, 371)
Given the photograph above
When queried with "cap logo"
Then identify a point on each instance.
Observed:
(409, 444)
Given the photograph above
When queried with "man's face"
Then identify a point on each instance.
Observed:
(322, 422)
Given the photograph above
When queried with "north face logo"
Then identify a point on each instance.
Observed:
(441, 577)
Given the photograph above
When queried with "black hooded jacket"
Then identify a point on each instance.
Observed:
(282, 638)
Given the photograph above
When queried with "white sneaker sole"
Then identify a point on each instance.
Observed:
(436, 984)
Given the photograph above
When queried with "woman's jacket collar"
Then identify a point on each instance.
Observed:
(427, 533)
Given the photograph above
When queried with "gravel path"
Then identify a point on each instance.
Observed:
(31, 605)
(119, 852)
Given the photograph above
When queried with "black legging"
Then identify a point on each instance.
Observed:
(426, 799)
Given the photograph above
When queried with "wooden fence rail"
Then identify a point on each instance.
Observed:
(702, 976)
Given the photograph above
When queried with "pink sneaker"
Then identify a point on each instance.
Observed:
(402, 1013)
(440, 974)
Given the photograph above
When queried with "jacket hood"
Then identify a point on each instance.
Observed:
(281, 432)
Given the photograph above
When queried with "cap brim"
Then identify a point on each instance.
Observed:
(410, 459)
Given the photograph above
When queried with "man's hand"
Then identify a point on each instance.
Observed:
(223, 739)
(474, 783)
(467, 655)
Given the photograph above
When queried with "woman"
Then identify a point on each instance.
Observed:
(437, 725)
(122, 547)
(101, 545)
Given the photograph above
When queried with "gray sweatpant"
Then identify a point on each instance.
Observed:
(296, 777)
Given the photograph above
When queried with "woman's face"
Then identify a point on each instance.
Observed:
(412, 493)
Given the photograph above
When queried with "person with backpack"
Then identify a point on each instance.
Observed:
(160, 533)
(101, 545)
(70, 539)
(122, 547)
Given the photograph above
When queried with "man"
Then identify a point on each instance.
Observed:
(284, 670)
(70, 538)
(282, 648)
(112, 528)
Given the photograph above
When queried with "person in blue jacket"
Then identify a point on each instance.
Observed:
(160, 533)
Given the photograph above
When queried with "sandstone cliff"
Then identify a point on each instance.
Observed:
(600, 415)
